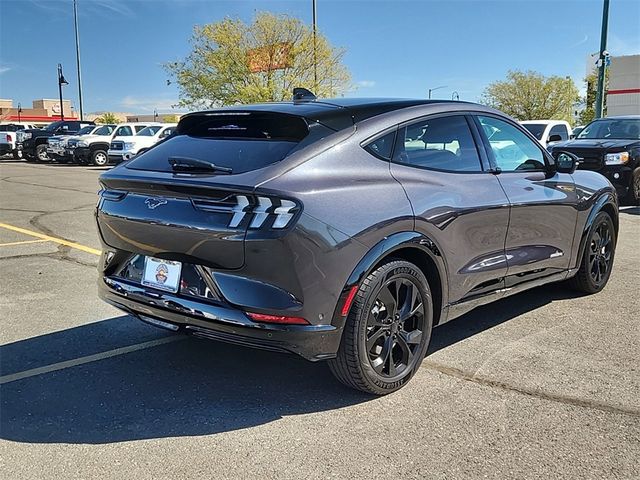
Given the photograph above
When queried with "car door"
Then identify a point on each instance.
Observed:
(456, 202)
(543, 203)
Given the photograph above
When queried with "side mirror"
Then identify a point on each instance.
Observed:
(554, 138)
(566, 162)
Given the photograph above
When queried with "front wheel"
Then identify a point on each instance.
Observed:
(99, 158)
(388, 329)
(634, 189)
(597, 258)
(41, 153)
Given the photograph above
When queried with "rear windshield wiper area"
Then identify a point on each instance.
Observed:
(186, 164)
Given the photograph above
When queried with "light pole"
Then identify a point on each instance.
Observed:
(61, 81)
(601, 59)
(155, 115)
(19, 111)
(75, 22)
(315, 51)
(436, 88)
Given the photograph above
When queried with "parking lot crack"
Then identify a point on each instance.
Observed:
(531, 392)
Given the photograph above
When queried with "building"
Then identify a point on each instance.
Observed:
(623, 95)
(42, 112)
(157, 117)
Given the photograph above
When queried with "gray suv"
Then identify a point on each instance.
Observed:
(345, 230)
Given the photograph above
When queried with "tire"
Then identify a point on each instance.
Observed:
(17, 154)
(29, 158)
(41, 153)
(633, 197)
(380, 351)
(597, 257)
(99, 158)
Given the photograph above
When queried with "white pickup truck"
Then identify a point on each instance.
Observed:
(57, 146)
(548, 132)
(93, 148)
(9, 138)
(123, 149)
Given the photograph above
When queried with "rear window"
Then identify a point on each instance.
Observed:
(536, 129)
(240, 141)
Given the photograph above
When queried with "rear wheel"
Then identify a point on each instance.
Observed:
(388, 329)
(41, 153)
(99, 158)
(597, 258)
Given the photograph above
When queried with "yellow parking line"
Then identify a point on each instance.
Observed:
(51, 239)
(88, 359)
(24, 242)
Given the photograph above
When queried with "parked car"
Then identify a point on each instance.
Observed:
(95, 149)
(345, 229)
(611, 146)
(57, 146)
(576, 130)
(9, 143)
(34, 143)
(122, 149)
(548, 132)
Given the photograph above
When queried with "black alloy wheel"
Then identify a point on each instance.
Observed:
(387, 331)
(597, 258)
(394, 328)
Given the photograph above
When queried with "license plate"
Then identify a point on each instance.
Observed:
(161, 274)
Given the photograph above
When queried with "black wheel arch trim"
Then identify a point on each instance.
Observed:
(604, 200)
(384, 248)
(98, 146)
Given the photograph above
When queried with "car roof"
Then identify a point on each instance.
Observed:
(619, 117)
(545, 122)
(336, 113)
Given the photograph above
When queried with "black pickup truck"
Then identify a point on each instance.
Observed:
(610, 146)
(34, 141)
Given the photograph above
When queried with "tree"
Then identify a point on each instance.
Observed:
(589, 100)
(532, 96)
(107, 117)
(232, 62)
(170, 118)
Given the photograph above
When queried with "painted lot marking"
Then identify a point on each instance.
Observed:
(24, 242)
(48, 238)
(87, 359)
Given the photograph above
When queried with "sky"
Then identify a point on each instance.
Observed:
(393, 48)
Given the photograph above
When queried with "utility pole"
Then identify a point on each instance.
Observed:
(61, 81)
(19, 111)
(75, 21)
(315, 53)
(436, 88)
(601, 59)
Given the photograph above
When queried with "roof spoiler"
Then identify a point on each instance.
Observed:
(303, 95)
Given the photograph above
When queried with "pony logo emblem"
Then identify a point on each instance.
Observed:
(154, 203)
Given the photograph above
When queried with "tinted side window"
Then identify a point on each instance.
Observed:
(124, 132)
(167, 132)
(512, 149)
(444, 143)
(139, 127)
(382, 147)
(560, 130)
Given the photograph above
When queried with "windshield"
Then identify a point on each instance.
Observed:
(86, 130)
(104, 130)
(10, 128)
(53, 126)
(149, 131)
(623, 129)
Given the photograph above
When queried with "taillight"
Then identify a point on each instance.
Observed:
(260, 211)
(8, 138)
(262, 318)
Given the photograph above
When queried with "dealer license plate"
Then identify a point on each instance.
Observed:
(162, 274)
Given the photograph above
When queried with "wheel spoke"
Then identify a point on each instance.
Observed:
(380, 362)
(374, 337)
(414, 337)
(407, 354)
(409, 301)
(388, 299)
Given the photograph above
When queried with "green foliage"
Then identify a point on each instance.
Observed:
(532, 96)
(107, 117)
(218, 69)
(589, 100)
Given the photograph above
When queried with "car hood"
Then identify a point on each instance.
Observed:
(597, 144)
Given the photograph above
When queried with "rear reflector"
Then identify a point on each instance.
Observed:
(260, 317)
(349, 301)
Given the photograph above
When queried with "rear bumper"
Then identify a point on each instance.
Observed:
(218, 322)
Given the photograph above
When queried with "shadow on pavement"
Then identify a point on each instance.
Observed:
(630, 210)
(184, 388)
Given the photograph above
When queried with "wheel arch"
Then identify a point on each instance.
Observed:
(413, 247)
(604, 203)
(98, 146)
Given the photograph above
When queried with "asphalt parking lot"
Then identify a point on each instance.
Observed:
(544, 384)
